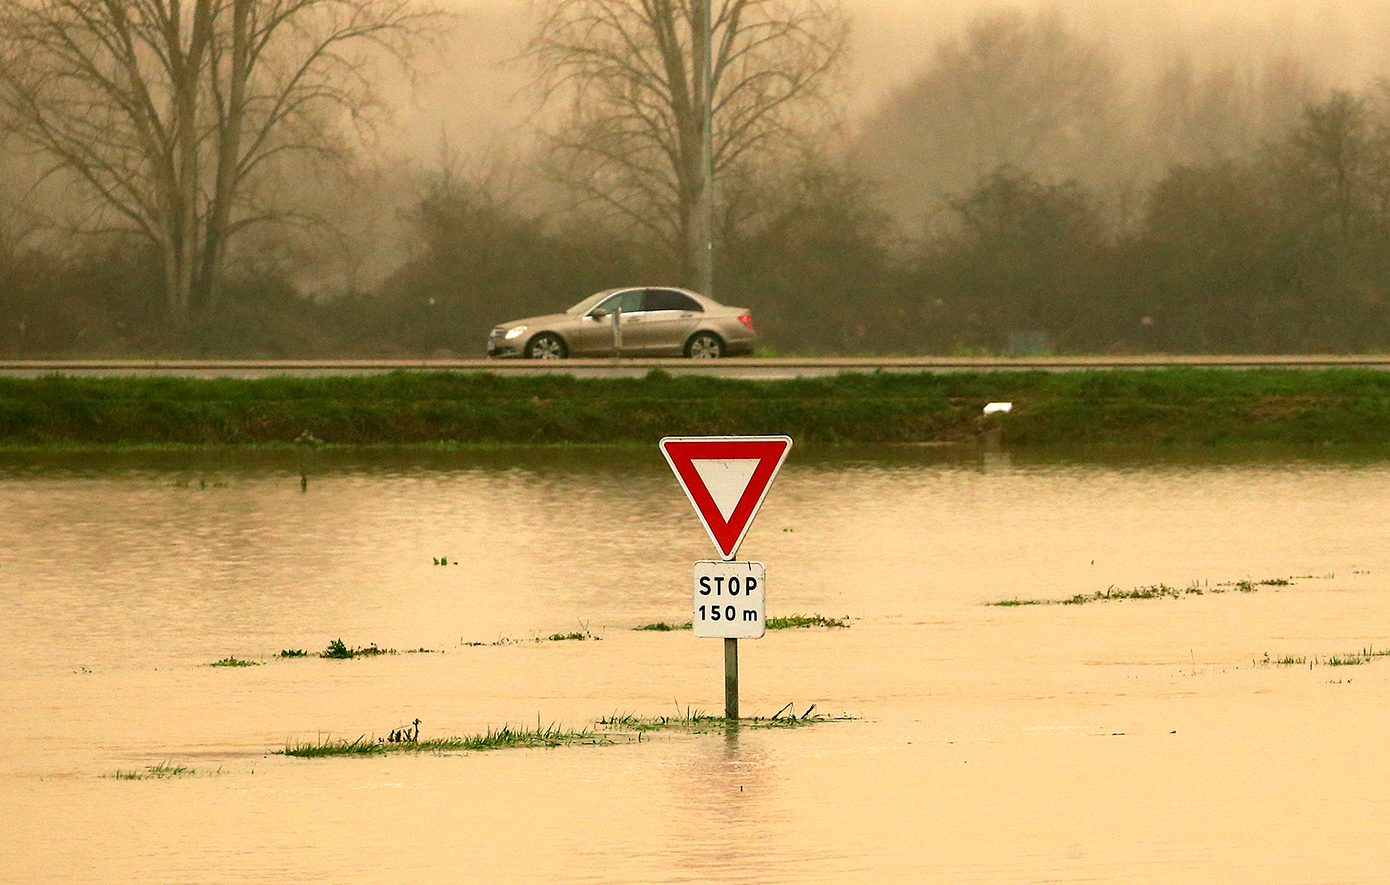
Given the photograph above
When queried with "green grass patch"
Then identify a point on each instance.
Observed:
(1181, 407)
(292, 653)
(234, 662)
(1148, 591)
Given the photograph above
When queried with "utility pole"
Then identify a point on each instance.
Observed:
(704, 51)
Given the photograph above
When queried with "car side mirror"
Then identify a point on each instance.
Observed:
(598, 313)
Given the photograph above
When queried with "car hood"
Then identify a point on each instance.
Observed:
(537, 322)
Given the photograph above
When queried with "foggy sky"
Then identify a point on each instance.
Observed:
(473, 97)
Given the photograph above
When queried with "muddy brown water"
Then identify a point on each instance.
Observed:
(1125, 741)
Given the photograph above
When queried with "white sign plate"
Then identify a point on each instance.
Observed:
(730, 599)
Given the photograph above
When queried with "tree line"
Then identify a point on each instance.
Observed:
(1007, 199)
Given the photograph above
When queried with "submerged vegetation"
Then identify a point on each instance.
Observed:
(230, 661)
(789, 622)
(608, 730)
(1188, 406)
(572, 636)
(581, 635)
(161, 771)
(1151, 591)
(339, 650)
(336, 649)
(1345, 659)
(493, 739)
(794, 622)
(696, 721)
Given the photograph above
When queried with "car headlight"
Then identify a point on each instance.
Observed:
(513, 333)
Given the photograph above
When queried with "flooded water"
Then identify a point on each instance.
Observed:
(1121, 741)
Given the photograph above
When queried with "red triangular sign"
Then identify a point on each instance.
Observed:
(726, 478)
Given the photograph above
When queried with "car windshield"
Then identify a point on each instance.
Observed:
(587, 304)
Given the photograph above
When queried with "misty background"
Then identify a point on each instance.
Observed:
(1083, 176)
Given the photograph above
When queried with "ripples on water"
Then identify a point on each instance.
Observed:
(1126, 741)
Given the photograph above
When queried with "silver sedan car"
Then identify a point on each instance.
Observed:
(630, 322)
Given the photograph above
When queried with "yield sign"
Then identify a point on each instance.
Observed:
(726, 478)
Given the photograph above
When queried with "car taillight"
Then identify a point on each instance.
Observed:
(747, 320)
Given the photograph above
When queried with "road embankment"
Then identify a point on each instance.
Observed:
(1184, 406)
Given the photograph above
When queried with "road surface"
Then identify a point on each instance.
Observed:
(758, 368)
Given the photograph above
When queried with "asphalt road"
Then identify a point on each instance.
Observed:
(749, 367)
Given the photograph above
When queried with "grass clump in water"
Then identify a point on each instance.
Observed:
(230, 661)
(695, 721)
(1152, 591)
(292, 653)
(408, 741)
(154, 772)
(604, 732)
(1350, 660)
(576, 636)
(1149, 591)
(573, 636)
(1248, 586)
(789, 622)
(796, 622)
(1347, 659)
(339, 650)
(1282, 661)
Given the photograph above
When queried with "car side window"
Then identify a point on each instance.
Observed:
(628, 302)
(669, 299)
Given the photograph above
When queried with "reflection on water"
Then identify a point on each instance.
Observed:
(1135, 741)
(732, 806)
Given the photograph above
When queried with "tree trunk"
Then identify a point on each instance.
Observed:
(230, 122)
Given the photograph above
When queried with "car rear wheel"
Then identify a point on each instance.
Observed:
(704, 346)
(546, 346)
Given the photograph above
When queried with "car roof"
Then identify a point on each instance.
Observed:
(600, 296)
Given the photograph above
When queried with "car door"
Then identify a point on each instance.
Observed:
(593, 335)
(668, 318)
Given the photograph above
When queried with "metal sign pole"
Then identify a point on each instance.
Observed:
(730, 679)
(726, 478)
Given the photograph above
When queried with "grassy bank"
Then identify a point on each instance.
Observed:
(1174, 407)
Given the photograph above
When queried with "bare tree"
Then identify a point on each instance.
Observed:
(630, 68)
(169, 110)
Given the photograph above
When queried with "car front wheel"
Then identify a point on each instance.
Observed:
(704, 346)
(546, 347)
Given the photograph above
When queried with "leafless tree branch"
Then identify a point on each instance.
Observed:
(170, 110)
(626, 69)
